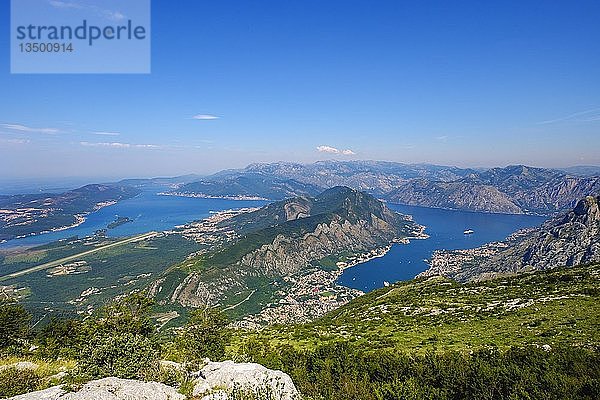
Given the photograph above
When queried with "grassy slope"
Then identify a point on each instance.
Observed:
(555, 307)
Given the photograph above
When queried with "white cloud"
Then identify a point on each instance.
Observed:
(119, 145)
(108, 14)
(64, 4)
(205, 117)
(14, 141)
(106, 133)
(327, 149)
(581, 116)
(113, 15)
(23, 128)
(333, 150)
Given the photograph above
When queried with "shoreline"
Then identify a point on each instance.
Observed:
(79, 219)
(329, 296)
(204, 196)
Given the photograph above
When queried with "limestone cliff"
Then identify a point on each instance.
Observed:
(284, 238)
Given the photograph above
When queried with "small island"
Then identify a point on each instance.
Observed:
(118, 222)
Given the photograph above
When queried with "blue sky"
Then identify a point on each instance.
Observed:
(467, 83)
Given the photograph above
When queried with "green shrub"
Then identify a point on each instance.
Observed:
(128, 315)
(119, 340)
(61, 337)
(14, 382)
(122, 355)
(204, 335)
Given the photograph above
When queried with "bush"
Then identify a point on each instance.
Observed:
(61, 337)
(119, 340)
(128, 315)
(122, 355)
(204, 335)
(14, 382)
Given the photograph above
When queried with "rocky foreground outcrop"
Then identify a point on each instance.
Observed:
(229, 376)
(108, 389)
(215, 381)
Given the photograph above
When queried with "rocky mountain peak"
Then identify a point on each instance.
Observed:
(588, 209)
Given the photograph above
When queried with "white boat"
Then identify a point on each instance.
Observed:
(469, 231)
(386, 283)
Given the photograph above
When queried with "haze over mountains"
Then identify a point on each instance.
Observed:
(514, 189)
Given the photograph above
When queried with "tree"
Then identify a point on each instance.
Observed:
(14, 324)
(124, 355)
(204, 335)
(61, 337)
(120, 340)
(127, 315)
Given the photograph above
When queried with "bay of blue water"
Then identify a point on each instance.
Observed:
(149, 212)
(152, 212)
(445, 228)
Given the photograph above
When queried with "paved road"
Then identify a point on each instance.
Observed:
(75, 256)
(241, 302)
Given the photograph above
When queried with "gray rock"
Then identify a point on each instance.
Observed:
(226, 376)
(218, 395)
(109, 389)
(53, 393)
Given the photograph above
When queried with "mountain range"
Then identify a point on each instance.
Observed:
(514, 189)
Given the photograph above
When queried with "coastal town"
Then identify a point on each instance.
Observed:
(205, 196)
(207, 231)
(303, 297)
(447, 262)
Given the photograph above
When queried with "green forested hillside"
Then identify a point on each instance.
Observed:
(533, 336)
(550, 308)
